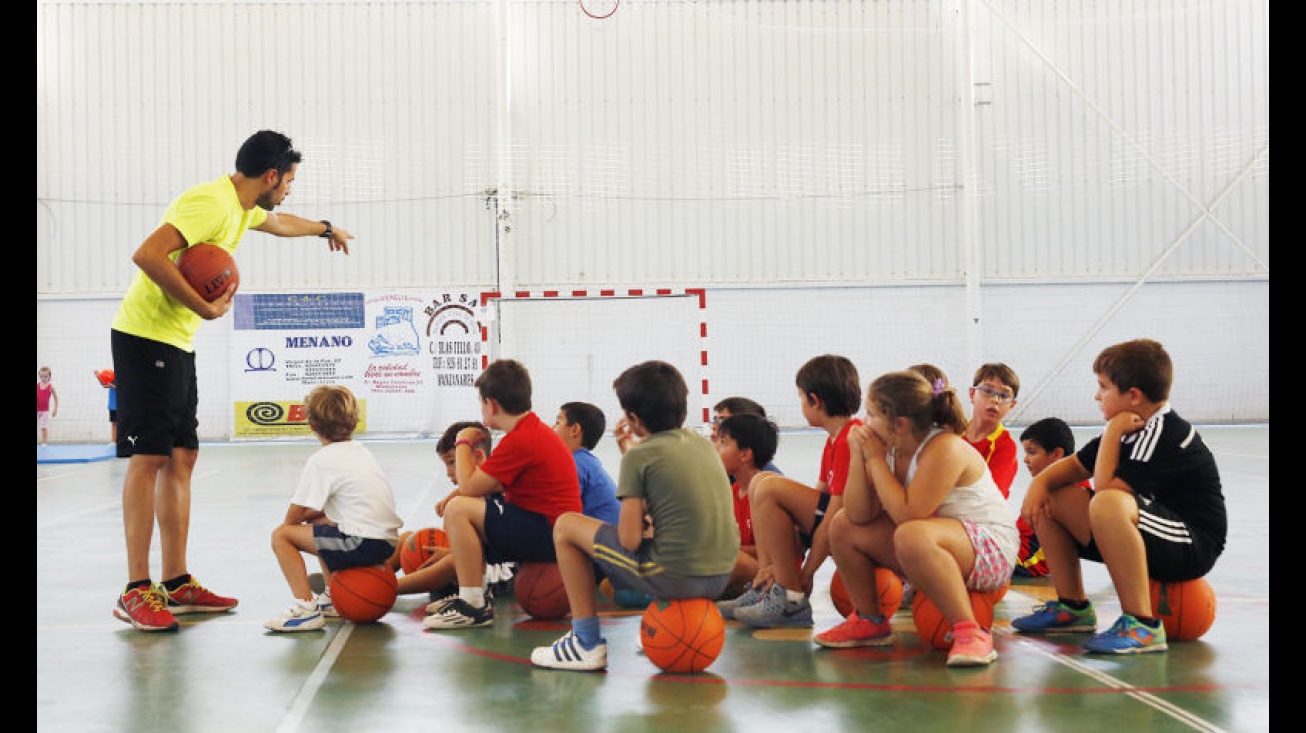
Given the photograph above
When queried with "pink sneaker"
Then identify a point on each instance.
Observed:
(971, 646)
(856, 631)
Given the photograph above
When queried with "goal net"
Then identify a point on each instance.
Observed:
(576, 343)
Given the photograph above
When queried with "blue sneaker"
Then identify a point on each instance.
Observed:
(1128, 635)
(775, 610)
(1055, 617)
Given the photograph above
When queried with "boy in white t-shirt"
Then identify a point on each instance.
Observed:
(343, 510)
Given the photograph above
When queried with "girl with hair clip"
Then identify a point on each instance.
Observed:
(920, 501)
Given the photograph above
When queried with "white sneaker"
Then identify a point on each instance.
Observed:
(301, 617)
(436, 605)
(325, 605)
(567, 653)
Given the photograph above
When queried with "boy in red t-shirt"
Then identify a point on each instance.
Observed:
(744, 441)
(512, 499)
(788, 515)
(1045, 442)
(992, 395)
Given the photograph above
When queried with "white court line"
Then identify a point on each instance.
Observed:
(304, 698)
(1146, 698)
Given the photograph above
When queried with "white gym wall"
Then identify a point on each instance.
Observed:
(906, 181)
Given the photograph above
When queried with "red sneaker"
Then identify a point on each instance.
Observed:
(144, 608)
(856, 631)
(195, 598)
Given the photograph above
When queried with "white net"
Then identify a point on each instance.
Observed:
(575, 347)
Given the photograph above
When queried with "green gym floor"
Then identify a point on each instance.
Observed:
(225, 673)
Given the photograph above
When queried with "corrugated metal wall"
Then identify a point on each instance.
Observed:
(395, 106)
(737, 143)
(1117, 140)
(1062, 175)
(524, 144)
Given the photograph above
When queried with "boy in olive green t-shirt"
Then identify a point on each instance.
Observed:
(676, 537)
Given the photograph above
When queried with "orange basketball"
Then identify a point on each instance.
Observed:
(365, 594)
(1186, 607)
(540, 592)
(888, 585)
(414, 551)
(682, 636)
(935, 630)
(392, 562)
(209, 269)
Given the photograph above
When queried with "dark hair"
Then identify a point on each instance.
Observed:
(739, 406)
(450, 436)
(591, 420)
(1049, 434)
(507, 382)
(754, 432)
(331, 411)
(907, 394)
(1141, 363)
(999, 371)
(834, 381)
(266, 149)
(655, 392)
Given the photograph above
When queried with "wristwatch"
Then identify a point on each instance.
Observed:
(326, 234)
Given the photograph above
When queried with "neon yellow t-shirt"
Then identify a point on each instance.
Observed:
(209, 212)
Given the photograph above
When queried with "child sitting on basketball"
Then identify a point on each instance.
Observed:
(788, 516)
(921, 502)
(503, 510)
(434, 577)
(993, 394)
(343, 510)
(1045, 442)
(1156, 511)
(744, 441)
(670, 474)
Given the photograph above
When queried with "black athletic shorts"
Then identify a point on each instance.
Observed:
(157, 396)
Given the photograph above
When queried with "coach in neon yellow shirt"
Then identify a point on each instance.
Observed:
(153, 338)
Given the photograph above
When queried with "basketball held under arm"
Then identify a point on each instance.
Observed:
(152, 257)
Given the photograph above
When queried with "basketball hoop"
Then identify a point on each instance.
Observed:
(599, 9)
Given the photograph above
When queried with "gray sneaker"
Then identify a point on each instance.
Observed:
(747, 598)
(775, 611)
